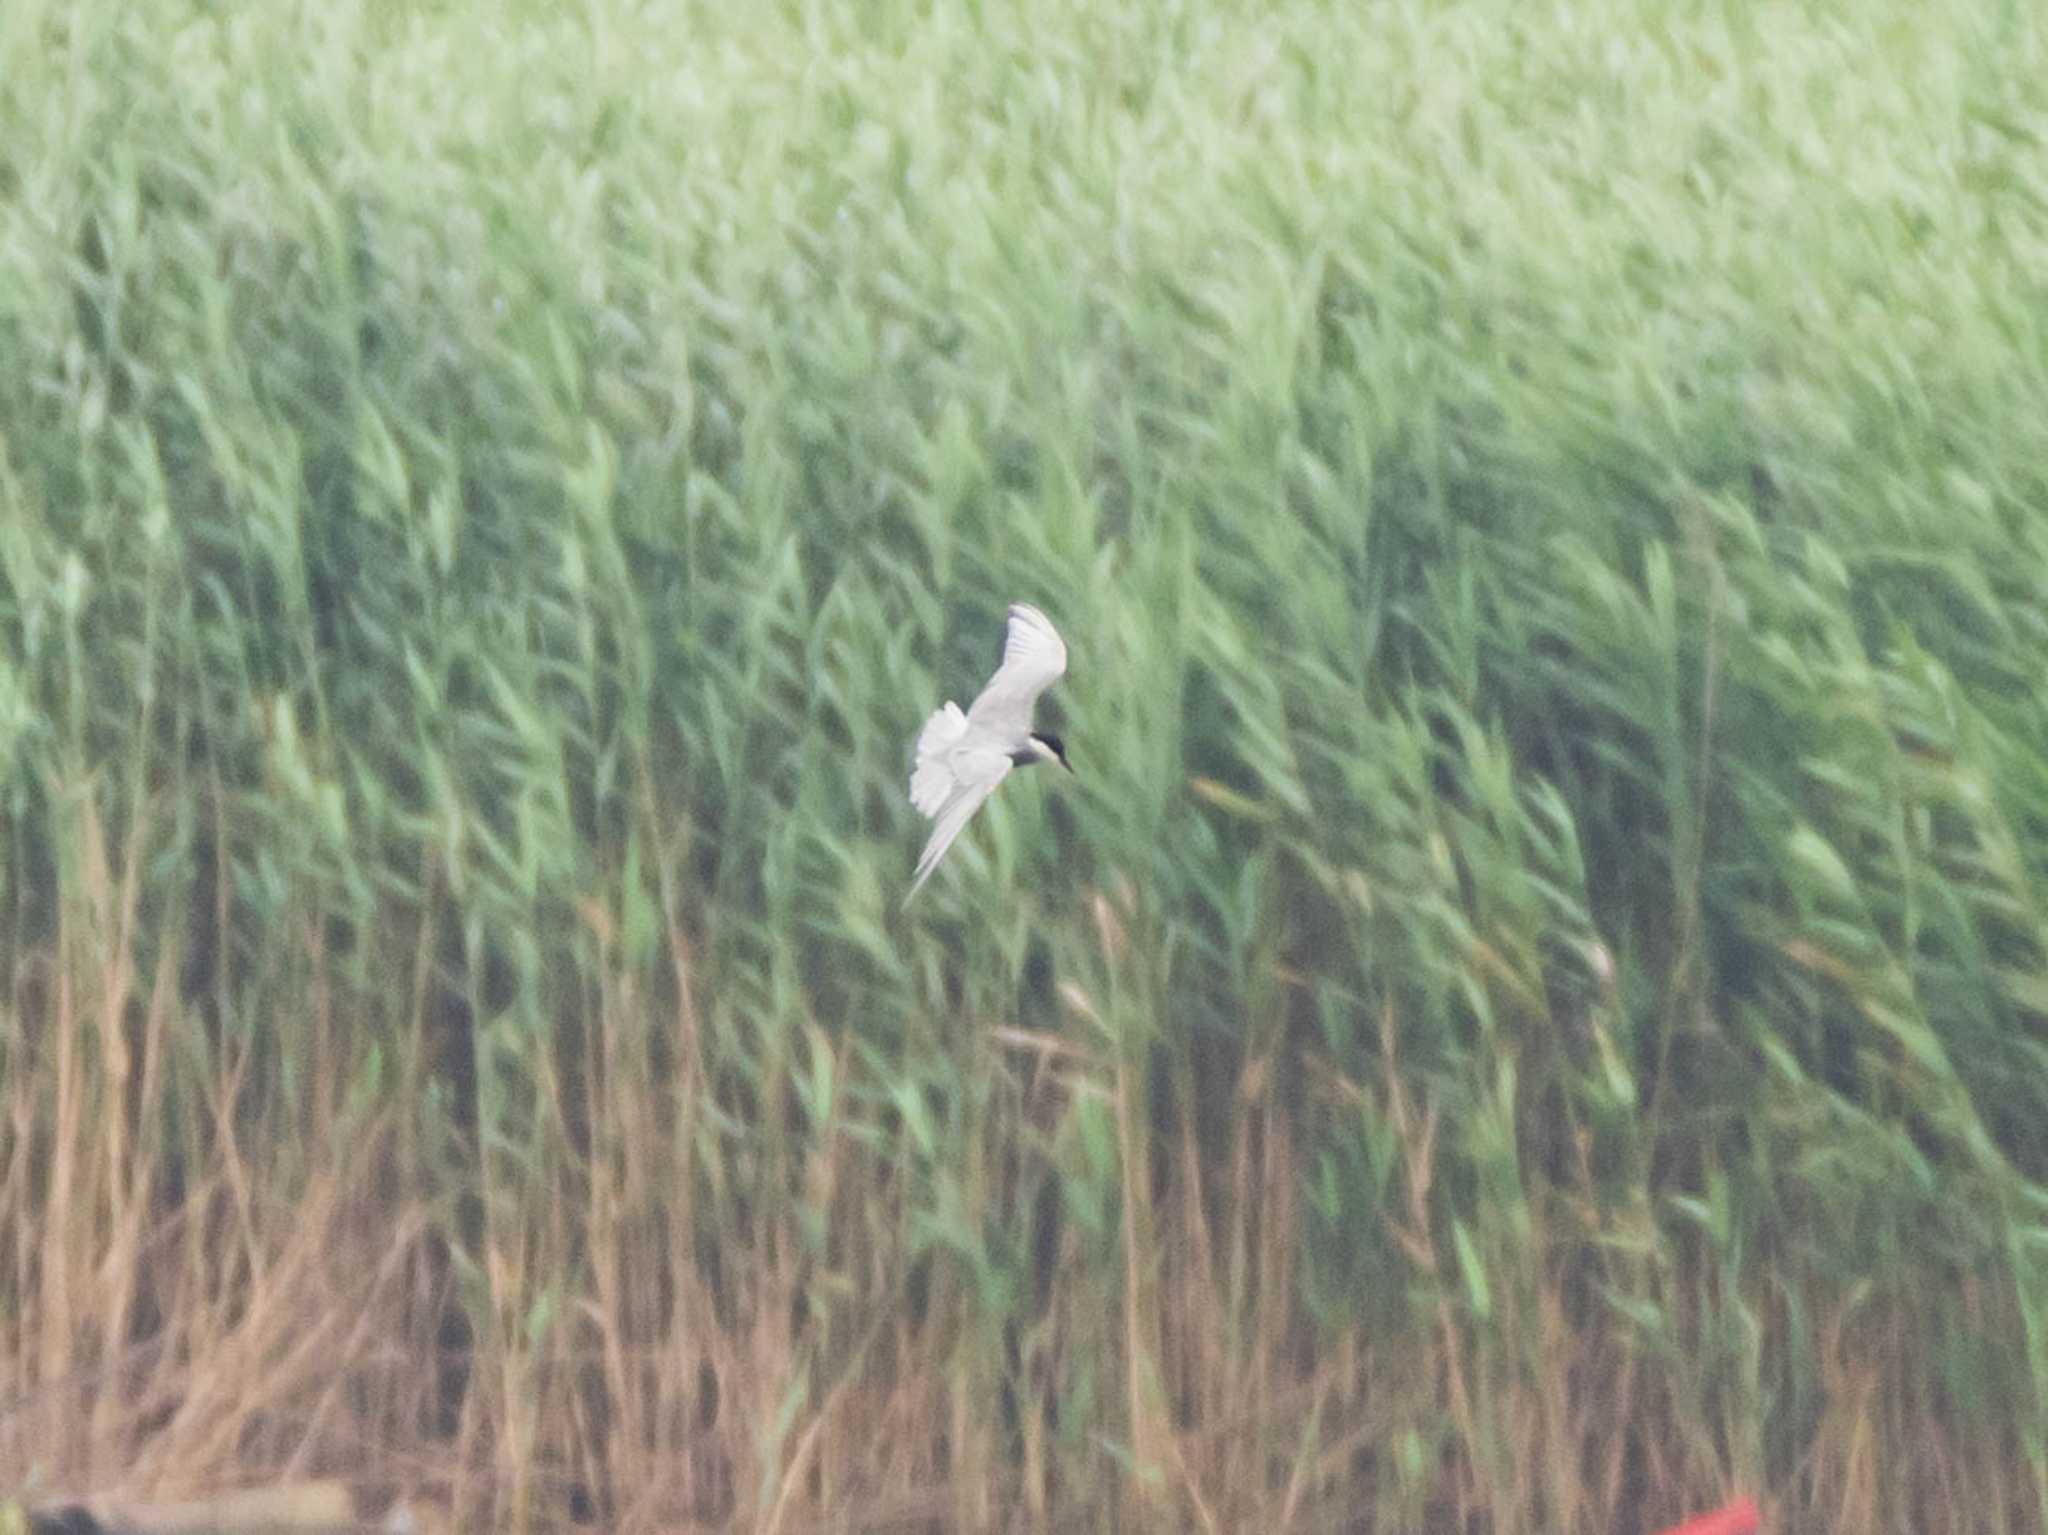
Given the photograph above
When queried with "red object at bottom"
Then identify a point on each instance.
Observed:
(1738, 1518)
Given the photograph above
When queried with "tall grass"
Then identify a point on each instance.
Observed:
(1534, 1012)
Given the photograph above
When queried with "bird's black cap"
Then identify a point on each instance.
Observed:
(1053, 744)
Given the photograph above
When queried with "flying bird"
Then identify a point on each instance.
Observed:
(962, 757)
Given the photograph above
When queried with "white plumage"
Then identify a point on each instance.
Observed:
(962, 757)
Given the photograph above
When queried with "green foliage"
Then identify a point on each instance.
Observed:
(1536, 1004)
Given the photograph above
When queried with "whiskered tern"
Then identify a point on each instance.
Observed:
(962, 757)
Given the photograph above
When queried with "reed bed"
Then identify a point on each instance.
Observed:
(1533, 1016)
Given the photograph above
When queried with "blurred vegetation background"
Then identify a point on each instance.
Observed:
(1532, 1017)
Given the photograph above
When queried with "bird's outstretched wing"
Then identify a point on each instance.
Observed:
(1034, 657)
(970, 775)
(931, 780)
